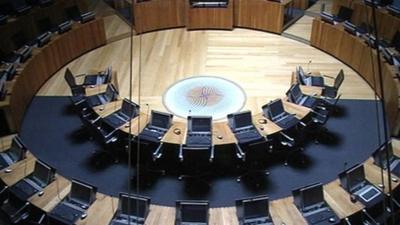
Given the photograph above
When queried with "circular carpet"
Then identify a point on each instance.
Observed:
(204, 96)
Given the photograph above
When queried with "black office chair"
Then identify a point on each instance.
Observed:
(15, 153)
(253, 210)
(106, 134)
(332, 91)
(312, 205)
(132, 209)
(192, 212)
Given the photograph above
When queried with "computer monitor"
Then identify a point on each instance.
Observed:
(344, 13)
(242, 119)
(396, 41)
(199, 123)
(161, 119)
(3, 91)
(82, 193)
(274, 109)
(43, 172)
(129, 108)
(194, 212)
(354, 177)
(134, 205)
(311, 196)
(255, 207)
(382, 154)
(295, 93)
(17, 150)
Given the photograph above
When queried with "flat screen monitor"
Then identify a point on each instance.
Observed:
(355, 176)
(396, 41)
(82, 193)
(200, 124)
(242, 119)
(134, 205)
(383, 154)
(275, 108)
(17, 150)
(160, 119)
(43, 172)
(129, 108)
(295, 92)
(255, 208)
(311, 196)
(192, 212)
(344, 13)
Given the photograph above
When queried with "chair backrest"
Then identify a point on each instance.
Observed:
(129, 108)
(17, 150)
(345, 13)
(273, 109)
(192, 212)
(161, 119)
(252, 208)
(352, 177)
(82, 192)
(43, 172)
(78, 91)
(308, 197)
(240, 120)
(339, 79)
(133, 205)
(199, 124)
(108, 74)
(69, 77)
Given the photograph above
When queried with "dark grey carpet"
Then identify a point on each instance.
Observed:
(48, 130)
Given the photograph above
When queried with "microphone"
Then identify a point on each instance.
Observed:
(147, 113)
(308, 66)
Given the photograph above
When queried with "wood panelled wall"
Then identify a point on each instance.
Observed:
(256, 14)
(353, 51)
(49, 59)
(27, 23)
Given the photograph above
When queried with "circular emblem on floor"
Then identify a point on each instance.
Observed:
(204, 96)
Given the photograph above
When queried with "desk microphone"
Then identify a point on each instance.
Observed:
(147, 113)
(308, 66)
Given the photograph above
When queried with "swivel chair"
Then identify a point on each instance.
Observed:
(332, 91)
(16, 209)
(307, 80)
(192, 213)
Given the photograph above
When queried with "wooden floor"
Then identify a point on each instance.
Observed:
(260, 62)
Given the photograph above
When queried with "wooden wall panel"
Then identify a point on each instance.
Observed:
(260, 14)
(362, 59)
(158, 14)
(209, 18)
(49, 59)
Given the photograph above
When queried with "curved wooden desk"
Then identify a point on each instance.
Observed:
(353, 51)
(218, 129)
(49, 59)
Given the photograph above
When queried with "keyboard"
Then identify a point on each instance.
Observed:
(198, 139)
(321, 216)
(23, 189)
(66, 213)
(248, 136)
(308, 101)
(287, 122)
(151, 135)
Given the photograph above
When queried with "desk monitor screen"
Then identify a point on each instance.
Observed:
(18, 149)
(345, 13)
(160, 119)
(129, 108)
(295, 92)
(242, 119)
(355, 176)
(43, 172)
(276, 108)
(200, 124)
(396, 41)
(311, 196)
(383, 154)
(255, 208)
(133, 205)
(192, 212)
(82, 193)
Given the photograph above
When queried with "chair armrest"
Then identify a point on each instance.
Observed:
(158, 152)
(239, 152)
(180, 156)
(212, 154)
